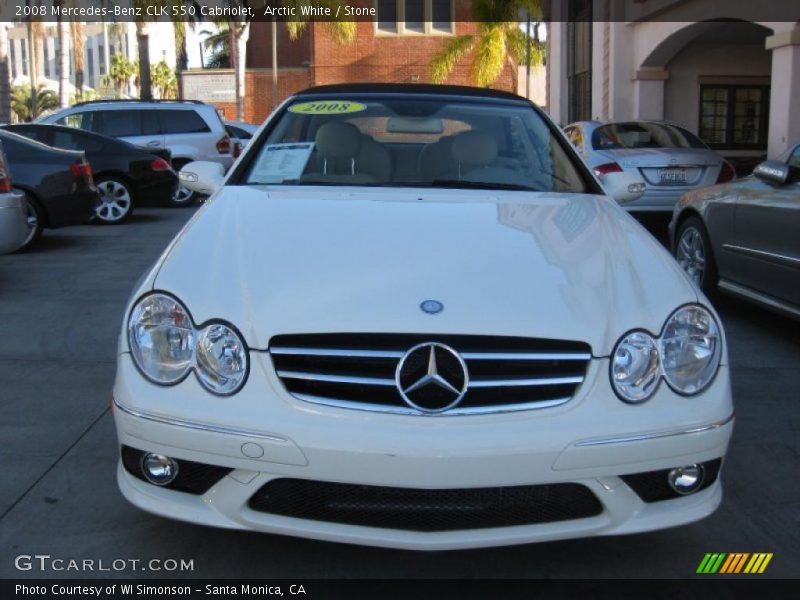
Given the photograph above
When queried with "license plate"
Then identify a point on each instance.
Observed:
(672, 176)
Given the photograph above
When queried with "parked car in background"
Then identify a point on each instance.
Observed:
(57, 185)
(670, 159)
(469, 343)
(13, 222)
(743, 237)
(190, 130)
(126, 175)
(241, 133)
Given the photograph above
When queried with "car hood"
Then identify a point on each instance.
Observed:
(318, 259)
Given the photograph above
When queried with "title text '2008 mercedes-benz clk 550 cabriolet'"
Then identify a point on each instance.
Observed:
(411, 316)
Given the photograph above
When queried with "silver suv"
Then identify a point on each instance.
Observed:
(190, 130)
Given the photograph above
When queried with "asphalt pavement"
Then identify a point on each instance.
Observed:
(60, 314)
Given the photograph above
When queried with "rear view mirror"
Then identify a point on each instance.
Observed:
(773, 172)
(203, 177)
(623, 187)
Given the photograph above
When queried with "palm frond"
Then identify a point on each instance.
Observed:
(518, 44)
(452, 52)
(490, 55)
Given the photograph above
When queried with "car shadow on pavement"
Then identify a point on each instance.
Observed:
(51, 242)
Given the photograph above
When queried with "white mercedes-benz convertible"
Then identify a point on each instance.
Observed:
(411, 316)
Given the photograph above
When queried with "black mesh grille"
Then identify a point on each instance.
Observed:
(653, 486)
(425, 510)
(193, 478)
(551, 369)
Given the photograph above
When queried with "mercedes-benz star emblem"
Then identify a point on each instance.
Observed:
(432, 377)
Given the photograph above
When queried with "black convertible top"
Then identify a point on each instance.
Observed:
(410, 88)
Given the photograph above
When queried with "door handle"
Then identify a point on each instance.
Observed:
(153, 144)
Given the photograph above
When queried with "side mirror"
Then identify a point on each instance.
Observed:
(623, 187)
(203, 177)
(772, 171)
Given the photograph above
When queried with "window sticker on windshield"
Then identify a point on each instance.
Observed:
(327, 107)
(279, 162)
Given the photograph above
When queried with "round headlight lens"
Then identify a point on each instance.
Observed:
(691, 346)
(635, 367)
(221, 359)
(161, 338)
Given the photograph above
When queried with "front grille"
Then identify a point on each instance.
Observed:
(425, 510)
(358, 370)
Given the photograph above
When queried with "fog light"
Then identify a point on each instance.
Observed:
(688, 479)
(159, 469)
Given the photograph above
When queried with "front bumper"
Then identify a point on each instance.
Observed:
(262, 434)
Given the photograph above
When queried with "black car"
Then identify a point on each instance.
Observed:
(126, 175)
(58, 184)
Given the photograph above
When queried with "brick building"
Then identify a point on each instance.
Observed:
(395, 47)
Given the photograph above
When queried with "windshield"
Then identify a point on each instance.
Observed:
(412, 142)
(643, 135)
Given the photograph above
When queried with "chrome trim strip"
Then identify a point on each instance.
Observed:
(359, 353)
(164, 420)
(336, 378)
(526, 355)
(491, 383)
(405, 410)
(482, 383)
(355, 353)
(763, 299)
(771, 256)
(654, 436)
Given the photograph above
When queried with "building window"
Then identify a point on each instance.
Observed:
(24, 52)
(101, 57)
(734, 116)
(90, 64)
(579, 60)
(12, 54)
(46, 50)
(414, 16)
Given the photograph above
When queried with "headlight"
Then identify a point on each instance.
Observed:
(686, 354)
(691, 346)
(166, 345)
(635, 369)
(221, 359)
(161, 337)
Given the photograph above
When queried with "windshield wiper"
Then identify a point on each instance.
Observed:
(480, 185)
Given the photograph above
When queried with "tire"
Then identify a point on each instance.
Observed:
(183, 197)
(695, 256)
(35, 217)
(116, 201)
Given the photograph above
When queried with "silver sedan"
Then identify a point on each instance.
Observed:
(670, 159)
(744, 236)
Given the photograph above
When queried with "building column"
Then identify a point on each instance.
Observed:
(784, 118)
(648, 93)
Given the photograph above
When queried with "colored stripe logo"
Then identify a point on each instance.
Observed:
(734, 563)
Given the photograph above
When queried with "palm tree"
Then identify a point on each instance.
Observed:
(5, 76)
(78, 38)
(28, 106)
(218, 43)
(164, 80)
(120, 73)
(36, 33)
(498, 42)
(62, 59)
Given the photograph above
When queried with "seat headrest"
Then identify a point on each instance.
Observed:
(338, 140)
(474, 148)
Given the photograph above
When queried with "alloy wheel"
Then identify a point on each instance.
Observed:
(115, 201)
(32, 221)
(691, 254)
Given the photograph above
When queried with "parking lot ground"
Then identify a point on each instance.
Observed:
(60, 313)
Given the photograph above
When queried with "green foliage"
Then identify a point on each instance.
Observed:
(22, 105)
(342, 32)
(120, 72)
(499, 41)
(163, 79)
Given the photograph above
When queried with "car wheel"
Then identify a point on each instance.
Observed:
(116, 201)
(694, 255)
(35, 220)
(183, 196)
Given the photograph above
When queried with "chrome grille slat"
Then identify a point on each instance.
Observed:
(357, 371)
